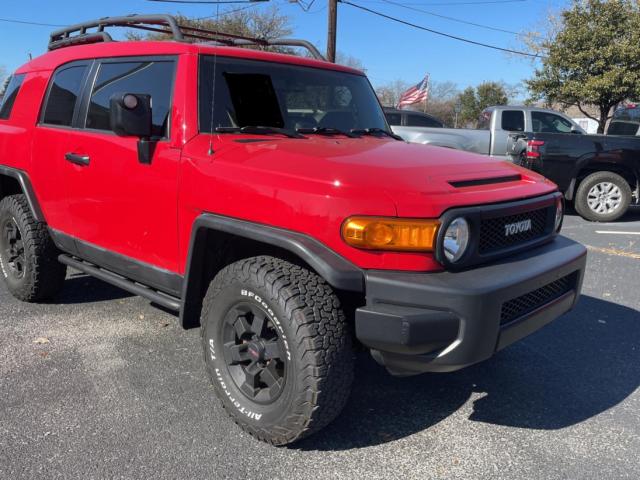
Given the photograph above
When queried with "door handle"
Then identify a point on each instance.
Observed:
(82, 160)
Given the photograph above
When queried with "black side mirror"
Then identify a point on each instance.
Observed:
(130, 116)
(576, 131)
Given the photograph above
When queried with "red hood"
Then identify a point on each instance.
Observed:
(416, 177)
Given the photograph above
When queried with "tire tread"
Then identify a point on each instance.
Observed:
(45, 274)
(322, 337)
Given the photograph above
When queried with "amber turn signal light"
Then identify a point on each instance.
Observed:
(383, 233)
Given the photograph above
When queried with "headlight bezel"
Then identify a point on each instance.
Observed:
(464, 243)
(557, 222)
(439, 252)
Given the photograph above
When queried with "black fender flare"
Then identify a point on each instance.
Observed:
(336, 270)
(27, 189)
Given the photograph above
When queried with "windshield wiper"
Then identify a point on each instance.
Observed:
(259, 130)
(376, 132)
(326, 131)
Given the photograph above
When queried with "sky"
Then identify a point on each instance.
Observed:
(388, 50)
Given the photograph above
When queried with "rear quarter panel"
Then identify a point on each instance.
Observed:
(16, 131)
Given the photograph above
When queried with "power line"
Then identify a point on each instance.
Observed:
(454, 37)
(229, 12)
(23, 22)
(207, 2)
(453, 19)
(441, 4)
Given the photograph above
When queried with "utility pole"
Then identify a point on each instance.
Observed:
(331, 30)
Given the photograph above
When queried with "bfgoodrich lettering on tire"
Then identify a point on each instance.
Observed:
(277, 348)
(28, 258)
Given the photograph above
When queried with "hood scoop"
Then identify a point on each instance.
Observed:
(485, 181)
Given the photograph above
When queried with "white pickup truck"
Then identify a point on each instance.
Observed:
(494, 127)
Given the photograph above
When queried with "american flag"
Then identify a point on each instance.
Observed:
(416, 94)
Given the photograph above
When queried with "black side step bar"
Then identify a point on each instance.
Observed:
(162, 299)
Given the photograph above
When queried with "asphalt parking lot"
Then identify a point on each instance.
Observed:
(104, 385)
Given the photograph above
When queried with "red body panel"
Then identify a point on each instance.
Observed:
(146, 212)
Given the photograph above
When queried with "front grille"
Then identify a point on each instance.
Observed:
(493, 235)
(528, 302)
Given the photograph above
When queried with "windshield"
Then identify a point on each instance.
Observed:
(626, 120)
(256, 93)
(627, 112)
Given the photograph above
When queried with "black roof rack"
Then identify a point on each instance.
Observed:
(167, 24)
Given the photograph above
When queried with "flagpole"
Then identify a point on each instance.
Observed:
(428, 93)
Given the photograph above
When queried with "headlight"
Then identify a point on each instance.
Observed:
(456, 239)
(398, 234)
(559, 214)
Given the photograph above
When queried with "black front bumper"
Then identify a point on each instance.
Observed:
(430, 322)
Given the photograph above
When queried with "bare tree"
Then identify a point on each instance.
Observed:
(390, 93)
(349, 61)
(267, 24)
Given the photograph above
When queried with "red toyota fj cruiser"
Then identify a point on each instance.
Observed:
(263, 197)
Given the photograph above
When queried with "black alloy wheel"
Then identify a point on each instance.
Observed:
(254, 353)
(12, 247)
(277, 347)
(28, 257)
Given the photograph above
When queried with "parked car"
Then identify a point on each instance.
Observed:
(495, 124)
(263, 198)
(625, 121)
(600, 174)
(410, 118)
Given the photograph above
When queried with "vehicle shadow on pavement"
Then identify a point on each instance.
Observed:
(80, 288)
(633, 215)
(578, 367)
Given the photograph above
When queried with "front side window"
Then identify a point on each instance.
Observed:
(550, 123)
(513, 120)
(9, 95)
(63, 95)
(143, 77)
(257, 93)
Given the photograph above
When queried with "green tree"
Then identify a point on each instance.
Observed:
(591, 57)
(474, 100)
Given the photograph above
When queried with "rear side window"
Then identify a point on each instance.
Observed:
(623, 128)
(513, 120)
(550, 123)
(8, 97)
(422, 121)
(394, 118)
(154, 78)
(63, 95)
(484, 121)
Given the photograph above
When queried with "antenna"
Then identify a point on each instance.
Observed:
(213, 83)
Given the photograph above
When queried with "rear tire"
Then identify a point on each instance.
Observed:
(277, 348)
(603, 197)
(28, 257)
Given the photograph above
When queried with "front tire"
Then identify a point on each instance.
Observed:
(28, 257)
(603, 197)
(277, 348)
